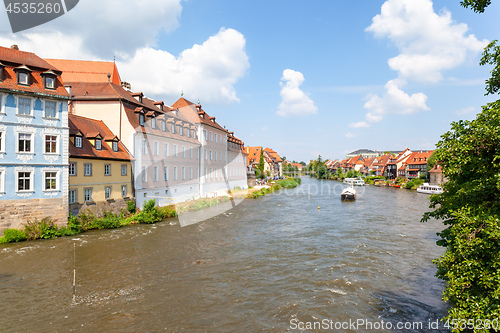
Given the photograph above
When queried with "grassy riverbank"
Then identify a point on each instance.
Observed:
(47, 228)
(274, 186)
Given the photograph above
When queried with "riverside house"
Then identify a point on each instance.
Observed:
(33, 140)
(416, 164)
(236, 167)
(100, 168)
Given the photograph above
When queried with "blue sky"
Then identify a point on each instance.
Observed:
(302, 77)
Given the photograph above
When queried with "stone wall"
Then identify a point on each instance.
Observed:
(15, 213)
(97, 208)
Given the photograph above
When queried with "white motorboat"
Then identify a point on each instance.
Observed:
(354, 181)
(429, 189)
(348, 194)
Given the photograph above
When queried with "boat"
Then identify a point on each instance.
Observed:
(354, 181)
(429, 189)
(348, 194)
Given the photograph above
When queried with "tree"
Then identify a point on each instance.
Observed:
(477, 5)
(260, 166)
(470, 206)
(431, 161)
(491, 56)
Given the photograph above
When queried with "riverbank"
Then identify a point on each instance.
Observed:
(274, 186)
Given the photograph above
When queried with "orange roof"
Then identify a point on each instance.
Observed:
(87, 71)
(417, 158)
(253, 155)
(12, 58)
(273, 154)
(96, 127)
(437, 168)
(189, 109)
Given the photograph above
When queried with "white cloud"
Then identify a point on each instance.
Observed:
(394, 101)
(294, 102)
(350, 135)
(106, 28)
(128, 30)
(359, 124)
(206, 71)
(429, 43)
(465, 111)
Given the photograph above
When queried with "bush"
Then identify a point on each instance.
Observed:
(107, 221)
(43, 229)
(168, 211)
(414, 183)
(131, 207)
(12, 236)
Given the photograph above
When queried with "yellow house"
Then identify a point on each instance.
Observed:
(100, 168)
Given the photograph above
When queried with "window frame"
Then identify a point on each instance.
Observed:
(75, 199)
(122, 168)
(156, 148)
(156, 176)
(31, 172)
(107, 169)
(85, 165)
(31, 141)
(165, 173)
(55, 143)
(3, 137)
(142, 119)
(74, 168)
(91, 189)
(107, 196)
(124, 194)
(98, 144)
(114, 146)
(23, 72)
(78, 141)
(56, 180)
(2, 180)
(45, 110)
(153, 122)
(30, 114)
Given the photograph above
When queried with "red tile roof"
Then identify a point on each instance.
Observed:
(91, 128)
(186, 108)
(273, 154)
(253, 155)
(87, 71)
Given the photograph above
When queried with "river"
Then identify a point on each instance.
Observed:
(274, 264)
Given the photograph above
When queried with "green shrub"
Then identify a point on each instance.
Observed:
(13, 236)
(414, 184)
(131, 207)
(107, 221)
(43, 229)
(149, 214)
(168, 211)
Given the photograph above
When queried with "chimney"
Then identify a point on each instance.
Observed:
(14, 47)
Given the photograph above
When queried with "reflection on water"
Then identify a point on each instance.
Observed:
(261, 266)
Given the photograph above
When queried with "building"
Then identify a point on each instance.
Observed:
(236, 166)
(416, 164)
(33, 140)
(100, 168)
(436, 175)
(276, 161)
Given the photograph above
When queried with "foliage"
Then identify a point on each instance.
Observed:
(372, 179)
(477, 5)
(259, 171)
(284, 183)
(149, 214)
(491, 56)
(109, 220)
(131, 207)
(353, 174)
(432, 160)
(44, 229)
(414, 184)
(470, 157)
(12, 236)
(319, 168)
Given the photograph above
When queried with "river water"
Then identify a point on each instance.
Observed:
(275, 264)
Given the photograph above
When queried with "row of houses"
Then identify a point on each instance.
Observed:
(273, 163)
(73, 136)
(406, 164)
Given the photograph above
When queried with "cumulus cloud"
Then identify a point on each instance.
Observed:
(294, 101)
(465, 111)
(129, 30)
(429, 43)
(207, 71)
(359, 124)
(394, 101)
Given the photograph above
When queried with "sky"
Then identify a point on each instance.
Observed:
(305, 78)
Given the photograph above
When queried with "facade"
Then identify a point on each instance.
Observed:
(436, 175)
(276, 161)
(236, 166)
(416, 164)
(100, 168)
(33, 140)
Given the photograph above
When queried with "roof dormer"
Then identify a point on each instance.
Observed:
(159, 105)
(138, 96)
(95, 140)
(49, 79)
(23, 74)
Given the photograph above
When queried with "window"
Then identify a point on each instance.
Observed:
(215, 138)
(172, 128)
(87, 169)
(87, 194)
(144, 174)
(188, 133)
(155, 175)
(2, 180)
(24, 145)
(145, 147)
(191, 153)
(183, 152)
(50, 82)
(107, 192)
(72, 196)
(50, 144)
(165, 173)
(50, 181)
(165, 149)
(163, 126)
(175, 173)
(124, 169)
(190, 172)
(141, 120)
(210, 173)
(156, 148)
(24, 182)
(205, 134)
(107, 169)
(23, 78)
(124, 191)
(216, 156)
(198, 153)
(181, 130)
(50, 109)
(2, 137)
(153, 123)
(206, 154)
(98, 145)
(210, 155)
(175, 150)
(24, 106)
(78, 141)
(72, 168)
(183, 173)
(197, 174)
(115, 146)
